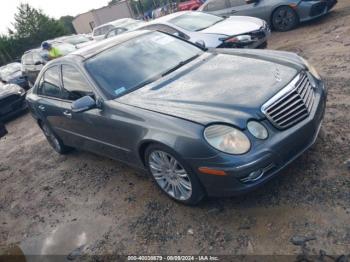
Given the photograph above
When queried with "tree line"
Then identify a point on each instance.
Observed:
(31, 28)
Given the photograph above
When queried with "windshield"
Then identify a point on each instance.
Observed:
(195, 21)
(139, 61)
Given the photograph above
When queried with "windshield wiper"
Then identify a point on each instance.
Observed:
(180, 64)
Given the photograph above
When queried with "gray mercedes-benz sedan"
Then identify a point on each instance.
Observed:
(282, 15)
(202, 123)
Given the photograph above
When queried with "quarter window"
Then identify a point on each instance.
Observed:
(74, 84)
(50, 83)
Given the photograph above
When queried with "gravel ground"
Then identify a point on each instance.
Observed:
(88, 204)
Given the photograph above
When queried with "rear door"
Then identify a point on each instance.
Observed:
(247, 8)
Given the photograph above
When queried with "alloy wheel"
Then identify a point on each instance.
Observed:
(170, 175)
(284, 19)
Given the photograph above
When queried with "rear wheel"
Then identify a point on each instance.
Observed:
(172, 175)
(54, 141)
(284, 19)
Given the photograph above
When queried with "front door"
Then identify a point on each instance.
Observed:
(89, 130)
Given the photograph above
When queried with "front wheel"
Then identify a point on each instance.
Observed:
(284, 19)
(54, 141)
(173, 176)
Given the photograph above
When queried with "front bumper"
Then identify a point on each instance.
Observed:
(12, 107)
(269, 156)
(308, 10)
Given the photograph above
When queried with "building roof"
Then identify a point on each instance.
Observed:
(103, 7)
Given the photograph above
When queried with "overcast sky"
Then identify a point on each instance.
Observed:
(53, 8)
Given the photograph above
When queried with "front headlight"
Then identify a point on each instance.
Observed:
(311, 69)
(227, 139)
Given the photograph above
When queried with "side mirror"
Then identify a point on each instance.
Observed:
(83, 104)
(200, 43)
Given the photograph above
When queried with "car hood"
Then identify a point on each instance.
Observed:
(235, 25)
(9, 89)
(216, 87)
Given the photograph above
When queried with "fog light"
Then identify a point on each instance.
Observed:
(253, 176)
(257, 130)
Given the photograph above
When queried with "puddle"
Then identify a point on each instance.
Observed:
(58, 243)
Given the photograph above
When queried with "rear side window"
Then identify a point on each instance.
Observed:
(216, 5)
(74, 84)
(50, 83)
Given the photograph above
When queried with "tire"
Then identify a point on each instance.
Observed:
(175, 179)
(54, 141)
(284, 19)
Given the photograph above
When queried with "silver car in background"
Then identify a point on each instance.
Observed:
(213, 31)
(99, 32)
(282, 15)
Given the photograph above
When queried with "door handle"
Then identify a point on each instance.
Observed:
(67, 114)
(41, 107)
(233, 11)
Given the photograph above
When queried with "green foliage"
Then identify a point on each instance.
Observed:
(31, 27)
(67, 22)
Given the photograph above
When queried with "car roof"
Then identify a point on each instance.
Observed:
(100, 46)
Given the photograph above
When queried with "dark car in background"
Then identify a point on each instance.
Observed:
(12, 74)
(34, 60)
(12, 101)
(282, 15)
(196, 120)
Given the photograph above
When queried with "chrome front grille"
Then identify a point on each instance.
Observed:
(292, 104)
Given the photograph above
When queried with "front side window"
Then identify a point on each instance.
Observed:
(139, 61)
(50, 83)
(195, 21)
(74, 84)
